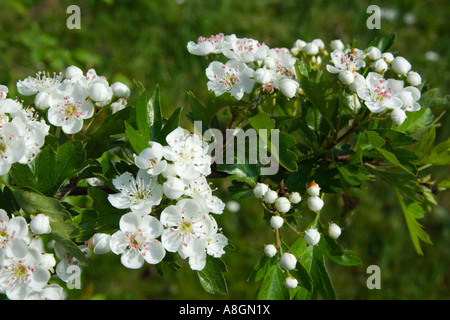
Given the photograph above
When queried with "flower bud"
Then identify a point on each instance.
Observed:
(373, 53)
(262, 75)
(120, 90)
(388, 57)
(270, 63)
(259, 190)
(99, 92)
(276, 222)
(398, 116)
(42, 100)
(295, 197)
(282, 204)
(401, 66)
(313, 189)
(233, 206)
(337, 45)
(319, 43)
(40, 224)
(290, 283)
(312, 237)
(173, 187)
(73, 72)
(380, 66)
(346, 77)
(311, 49)
(334, 230)
(414, 78)
(101, 243)
(315, 203)
(288, 261)
(270, 196)
(300, 44)
(289, 87)
(270, 250)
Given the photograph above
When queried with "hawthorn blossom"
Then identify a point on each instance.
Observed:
(206, 46)
(345, 62)
(379, 93)
(67, 260)
(136, 240)
(188, 153)
(12, 146)
(200, 190)
(233, 77)
(13, 236)
(151, 159)
(138, 194)
(244, 49)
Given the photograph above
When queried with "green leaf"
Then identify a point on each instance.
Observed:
(247, 173)
(439, 155)
(211, 277)
(171, 124)
(259, 270)
(320, 276)
(262, 121)
(137, 141)
(154, 112)
(71, 247)
(272, 287)
(425, 144)
(338, 254)
(386, 42)
(303, 277)
(144, 116)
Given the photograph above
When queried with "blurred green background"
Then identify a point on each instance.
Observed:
(146, 40)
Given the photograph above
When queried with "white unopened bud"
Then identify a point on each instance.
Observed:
(270, 63)
(337, 45)
(414, 78)
(295, 197)
(311, 49)
(289, 87)
(99, 92)
(263, 75)
(270, 250)
(173, 187)
(398, 116)
(276, 222)
(73, 72)
(260, 189)
(334, 230)
(319, 43)
(40, 224)
(42, 100)
(312, 237)
(290, 283)
(380, 66)
(101, 243)
(120, 90)
(270, 196)
(282, 204)
(373, 53)
(388, 57)
(288, 261)
(300, 44)
(315, 203)
(401, 66)
(346, 77)
(313, 189)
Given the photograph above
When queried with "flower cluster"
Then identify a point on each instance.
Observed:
(171, 199)
(378, 92)
(71, 98)
(22, 134)
(249, 63)
(279, 206)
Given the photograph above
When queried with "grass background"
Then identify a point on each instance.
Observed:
(146, 40)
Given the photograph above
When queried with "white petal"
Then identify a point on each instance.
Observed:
(155, 252)
(130, 222)
(132, 259)
(171, 240)
(198, 262)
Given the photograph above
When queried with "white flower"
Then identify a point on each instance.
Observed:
(315, 203)
(312, 237)
(379, 93)
(69, 108)
(334, 230)
(244, 50)
(311, 49)
(414, 78)
(373, 53)
(13, 236)
(346, 77)
(67, 261)
(288, 261)
(100, 91)
(187, 226)
(290, 283)
(151, 160)
(313, 189)
(101, 243)
(380, 66)
(282, 204)
(270, 250)
(295, 197)
(73, 72)
(276, 222)
(351, 60)
(139, 194)
(173, 188)
(319, 43)
(409, 96)
(289, 87)
(119, 105)
(270, 196)
(200, 190)
(12, 146)
(388, 57)
(120, 90)
(398, 116)
(40, 224)
(233, 77)
(260, 189)
(401, 66)
(206, 46)
(136, 240)
(19, 277)
(337, 45)
(49, 292)
(188, 153)
(3, 92)
(43, 82)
